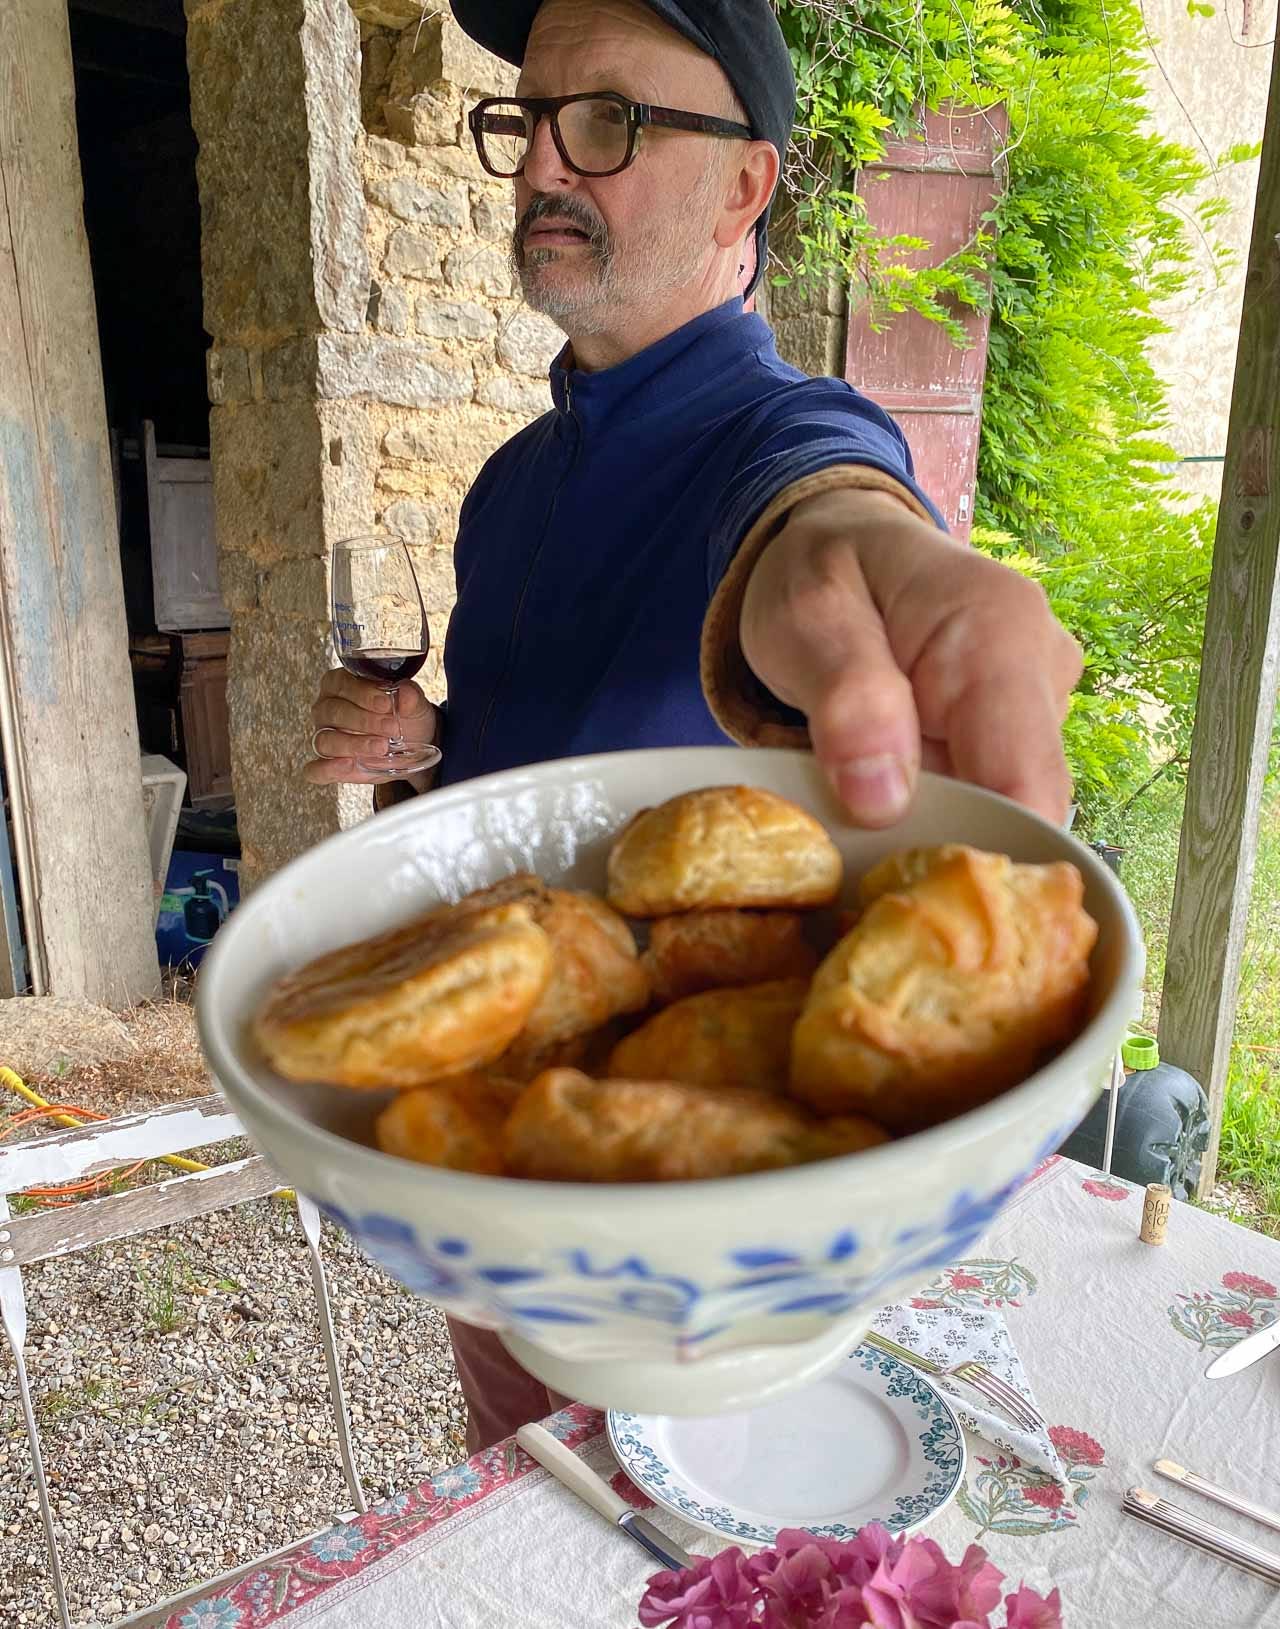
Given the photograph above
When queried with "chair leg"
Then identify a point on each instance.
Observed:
(13, 1316)
(309, 1216)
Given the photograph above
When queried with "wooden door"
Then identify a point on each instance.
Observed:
(939, 189)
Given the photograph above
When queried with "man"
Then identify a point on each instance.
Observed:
(698, 541)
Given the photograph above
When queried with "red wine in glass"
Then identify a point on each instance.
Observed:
(389, 667)
(380, 633)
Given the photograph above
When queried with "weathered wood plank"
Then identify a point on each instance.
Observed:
(67, 1156)
(1236, 708)
(120, 1216)
(70, 730)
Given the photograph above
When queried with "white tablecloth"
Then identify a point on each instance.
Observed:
(1115, 1336)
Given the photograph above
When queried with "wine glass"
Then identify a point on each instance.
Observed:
(380, 632)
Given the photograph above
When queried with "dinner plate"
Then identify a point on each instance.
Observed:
(872, 1441)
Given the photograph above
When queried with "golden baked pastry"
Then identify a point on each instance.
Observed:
(725, 846)
(719, 950)
(963, 972)
(446, 993)
(719, 1038)
(569, 1128)
(457, 1123)
(596, 974)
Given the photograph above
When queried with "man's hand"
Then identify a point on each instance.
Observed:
(904, 648)
(353, 719)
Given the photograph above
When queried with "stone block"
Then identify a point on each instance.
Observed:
(238, 576)
(389, 310)
(494, 219)
(396, 371)
(282, 243)
(228, 373)
(412, 200)
(510, 394)
(412, 520)
(529, 342)
(410, 254)
(450, 319)
(390, 155)
(296, 588)
(406, 442)
(815, 343)
(289, 371)
(389, 13)
(477, 268)
(462, 161)
(268, 467)
(351, 432)
(425, 120)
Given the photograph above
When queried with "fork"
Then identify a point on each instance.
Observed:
(995, 1390)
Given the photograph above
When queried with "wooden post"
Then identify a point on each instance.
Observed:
(66, 695)
(1238, 675)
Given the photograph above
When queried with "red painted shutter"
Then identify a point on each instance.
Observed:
(937, 189)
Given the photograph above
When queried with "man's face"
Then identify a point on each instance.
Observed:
(594, 254)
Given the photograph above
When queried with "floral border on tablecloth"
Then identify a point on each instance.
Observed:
(270, 1593)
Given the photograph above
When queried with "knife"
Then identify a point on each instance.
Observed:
(1219, 1495)
(566, 1467)
(1245, 1352)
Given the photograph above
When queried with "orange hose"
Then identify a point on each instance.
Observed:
(65, 1193)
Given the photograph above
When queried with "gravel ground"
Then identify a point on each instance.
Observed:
(180, 1385)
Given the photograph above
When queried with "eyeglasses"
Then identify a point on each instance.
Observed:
(595, 132)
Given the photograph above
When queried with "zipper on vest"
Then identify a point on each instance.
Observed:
(508, 662)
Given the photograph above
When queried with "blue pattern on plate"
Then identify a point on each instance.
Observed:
(762, 1279)
(938, 1438)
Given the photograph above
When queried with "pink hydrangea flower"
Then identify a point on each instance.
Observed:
(1238, 1318)
(1247, 1284)
(1105, 1190)
(714, 1594)
(1049, 1496)
(965, 1281)
(1027, 1610)
(871, 1581)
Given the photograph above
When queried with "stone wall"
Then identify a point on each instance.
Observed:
(438, 237)
(368, 352)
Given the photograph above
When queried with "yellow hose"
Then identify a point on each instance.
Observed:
(15, 1083)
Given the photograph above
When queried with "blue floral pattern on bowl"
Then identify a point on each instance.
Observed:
(935, 1430)
(764, 1279)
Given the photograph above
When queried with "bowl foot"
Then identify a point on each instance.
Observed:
(724, 1384)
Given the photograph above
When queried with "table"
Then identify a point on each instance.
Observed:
(1115, 1335)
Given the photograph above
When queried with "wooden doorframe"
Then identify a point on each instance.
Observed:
(1239, 667)
(70, 733)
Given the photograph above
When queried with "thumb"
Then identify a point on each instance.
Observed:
(821, 646)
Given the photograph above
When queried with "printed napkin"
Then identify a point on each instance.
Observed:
(948, 1335)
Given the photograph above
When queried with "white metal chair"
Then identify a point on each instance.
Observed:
(69, 1156)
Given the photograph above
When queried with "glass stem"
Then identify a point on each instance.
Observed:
(396, 743)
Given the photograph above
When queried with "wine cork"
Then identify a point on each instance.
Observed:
(1155, 1213)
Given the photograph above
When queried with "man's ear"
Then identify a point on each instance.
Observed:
(752, 184)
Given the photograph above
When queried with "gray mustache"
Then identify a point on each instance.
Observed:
(567, 209)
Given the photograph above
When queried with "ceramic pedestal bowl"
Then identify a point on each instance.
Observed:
(678, 1298)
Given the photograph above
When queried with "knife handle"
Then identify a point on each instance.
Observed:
(566, 1467)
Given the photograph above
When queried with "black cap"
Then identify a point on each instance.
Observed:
(741, 35)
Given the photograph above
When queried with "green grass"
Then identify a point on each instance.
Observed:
(1250, 1151)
